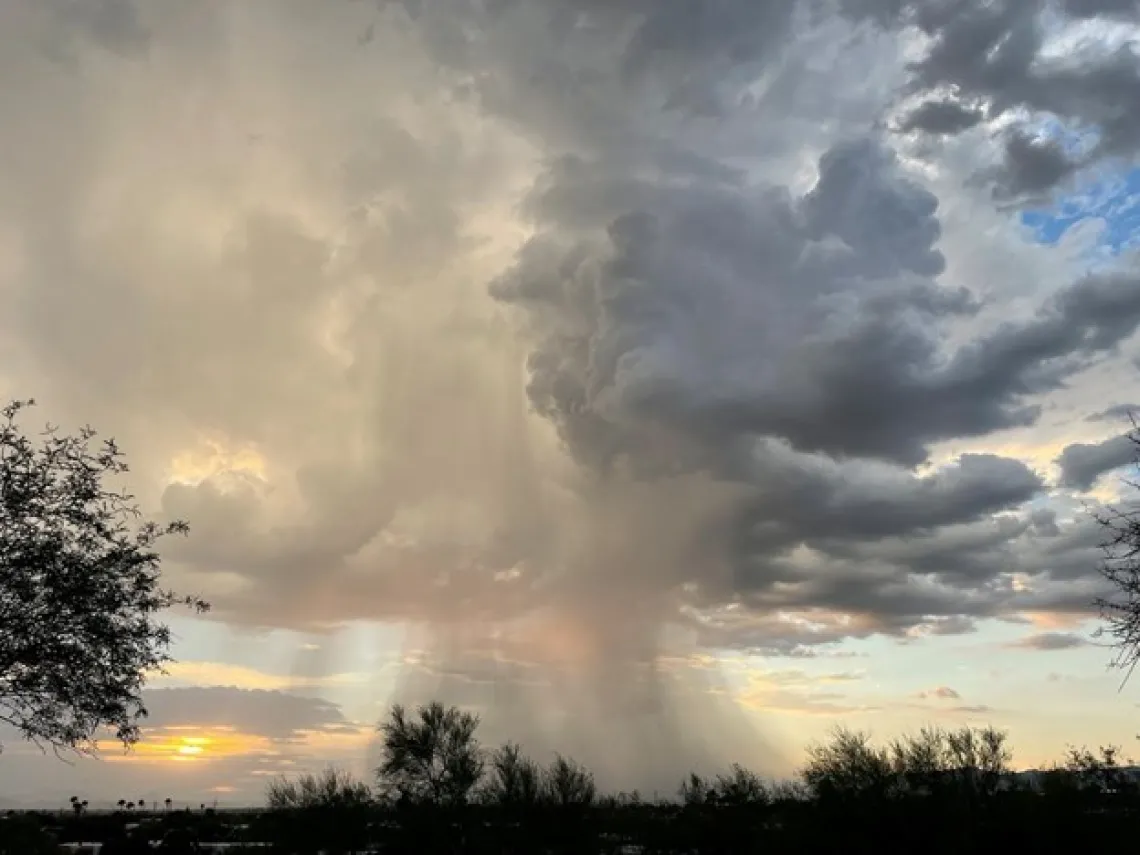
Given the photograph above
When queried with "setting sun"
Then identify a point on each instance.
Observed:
(178, 745)
(193, 746)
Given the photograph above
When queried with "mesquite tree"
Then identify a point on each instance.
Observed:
(80, 595)
(432, 756)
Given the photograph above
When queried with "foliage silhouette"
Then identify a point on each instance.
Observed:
(969, 762)
(568, 784)
(22, 835)
(848, 766)
(740, 788)
(332, 788)
(326, 812)
(79, 590)
(432, 757)
(937, 791)
(514, 780)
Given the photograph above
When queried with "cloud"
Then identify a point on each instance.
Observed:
(1083, 463)
(1045, 641)
(1094, 8)
(973, 709)
(1002, 59)
(208, 674)
(114, 26)
(274, 715)
(615, 356)
(1032, 166)
(823, 358)
(797, 693)
(941, 693)
(940, 117)
(1117, 412)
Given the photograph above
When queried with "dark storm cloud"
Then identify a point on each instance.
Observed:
(992, 54)
(834, 288)
(1107, 8)
(585, 75)
(67, 26)
(672, 38)
(1044, 522)
(1083, 463)
(940, 116)
(1031, 166)
(657, 35)
(815, 500)
(934, 583)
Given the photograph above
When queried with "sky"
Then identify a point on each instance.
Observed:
(669, 383)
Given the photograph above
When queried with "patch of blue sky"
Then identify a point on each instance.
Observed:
(1075, 141)
(1113, 199)
(1110, 195)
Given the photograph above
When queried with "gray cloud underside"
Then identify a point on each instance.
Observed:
(277, 716)
(1046, 641)
(1117, 412)
(1083, 463)
(550, 220)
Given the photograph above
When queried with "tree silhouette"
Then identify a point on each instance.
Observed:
(1121, 568)
(569, 784)
(1098, 773)
(324, 812)
(79, 590)
(431, 757)
(978, 760)
(968, 762)
(696, 791)
(331, 788)
(939, 791)
(514, 779)
(740, 787)
(848, 766)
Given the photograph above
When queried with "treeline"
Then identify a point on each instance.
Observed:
(438, 790)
